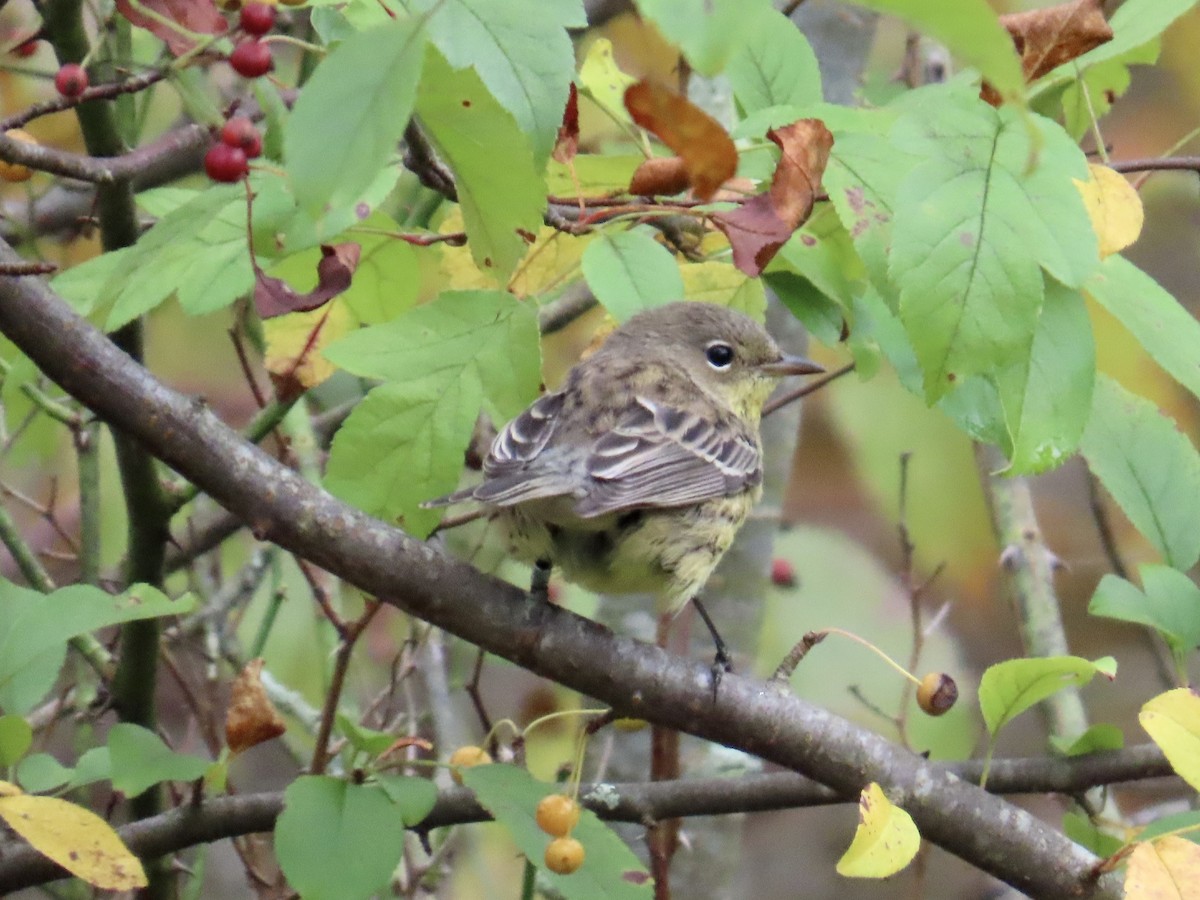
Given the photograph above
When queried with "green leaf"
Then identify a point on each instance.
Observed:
(775, 66)
(1149, 467)
(501, 192)
(610, 870)
(1170, 334)
(1093, 94)
(403, 443)
(1079, 828)
(140, 759)
(81, 285)
(35, 628)
(414, 797)
(40, 772)
(722, 283)
(337, 841)
(366, 740)
(591, 175)
(1095, 739)
(16, 737)
(1169, 603)
(1184, 821)
(352, 113)
(970, 30)
(972, 227)
(520, 50)
(95, 765)
(709, 32)
(630, 271)
(1009, 688)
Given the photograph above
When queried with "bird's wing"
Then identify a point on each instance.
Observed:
(515, 469)
(660, 456)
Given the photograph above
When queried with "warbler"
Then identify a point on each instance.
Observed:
(636, 474)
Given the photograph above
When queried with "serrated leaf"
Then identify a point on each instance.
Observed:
(403, 443)
(326, 819)
(721, 283)
(970, 30)
(75, 838)
(610, 870)
(1173, 722)
(1170, 334)
(972, 227)
(499, 188)
(35, 628)
(352, 113)
(521, 51)
(630, 271)
(140, 759)
(1170, 604)
(708, 32)
(1166, 868)
(294, 343)
(1150, 468)
(774, 66)
(1009, 688)
(885, 841)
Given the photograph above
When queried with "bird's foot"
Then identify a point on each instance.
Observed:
(539, 583)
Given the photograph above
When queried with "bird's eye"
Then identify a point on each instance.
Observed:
(719, 355)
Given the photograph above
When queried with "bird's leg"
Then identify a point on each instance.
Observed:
(539, 583)
(721, 662)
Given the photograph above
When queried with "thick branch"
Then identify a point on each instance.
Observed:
(747, 713)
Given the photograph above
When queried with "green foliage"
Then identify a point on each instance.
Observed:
(1151, 470)
(139, 759)
(1009, 688)
(336, 840)
(1169, 602)
(16, 737)
(629, 271)
(774, 66)
(35, 628)
(610, 871)
(1095, 740)
(709, 32)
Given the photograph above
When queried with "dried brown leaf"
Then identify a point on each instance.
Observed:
(659, 176)
(275, 297)
(251, 719)
(566, 145)
(708, 153)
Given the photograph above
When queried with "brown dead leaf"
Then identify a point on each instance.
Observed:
(275, 297)
(759, 227)
(708, 152)
(200, 16)
(567, 143)
(1047, 38)
(659, 176)
(251, 718)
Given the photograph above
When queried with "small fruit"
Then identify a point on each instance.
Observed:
(564, 855)
(936, 693)
(557, 814)
(224, 163)
(240, 132)
(26, 49)
(467, 758)
(257, 18)
(15, 172)
(783, 573)
(71, 80)
(250, 59)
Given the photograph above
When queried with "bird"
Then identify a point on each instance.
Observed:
(636, 474)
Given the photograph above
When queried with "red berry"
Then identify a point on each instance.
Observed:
(257, 18)
(240, 132)
(71, 80)
(250, 59)
(783, 573)
(26, 49)
(225, 163)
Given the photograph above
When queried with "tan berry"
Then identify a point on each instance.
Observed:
(936, 693)
(557, 814)
(15, 172)
(466, 758)
(564, 855)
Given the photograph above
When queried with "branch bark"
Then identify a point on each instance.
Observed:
(281, 507)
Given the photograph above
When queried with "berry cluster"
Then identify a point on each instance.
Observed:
(228, 159)
(557, 815)
(251, 58)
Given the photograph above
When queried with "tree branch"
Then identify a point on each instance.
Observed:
(748, 714)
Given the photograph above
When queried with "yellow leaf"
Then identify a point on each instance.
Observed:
(8, 789)
(75, 838)
(602, 79)
(295, 341)
(1166, 869)
(886, 839)
(724, 284)
(1114, 207)
(1173, 721)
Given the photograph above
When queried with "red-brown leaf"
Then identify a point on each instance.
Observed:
(709, 155)
(200, 16)
(567, 143)
(275, 297)
(660, 175)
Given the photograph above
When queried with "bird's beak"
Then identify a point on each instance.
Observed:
(791, 365)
